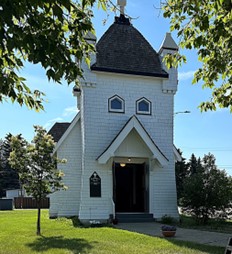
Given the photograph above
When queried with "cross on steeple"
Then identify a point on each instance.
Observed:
(122, 4)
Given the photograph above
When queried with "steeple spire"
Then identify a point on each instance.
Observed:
(122, 4)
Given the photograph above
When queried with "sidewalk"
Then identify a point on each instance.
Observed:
(183, 234)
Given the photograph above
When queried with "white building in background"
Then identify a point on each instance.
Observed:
(119, 147)
(15, 193)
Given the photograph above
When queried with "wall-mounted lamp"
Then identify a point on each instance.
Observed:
(122, 165)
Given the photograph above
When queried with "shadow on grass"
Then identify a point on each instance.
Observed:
(59, 242)
(196, 246)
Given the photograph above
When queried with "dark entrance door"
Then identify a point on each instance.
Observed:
(129, 188)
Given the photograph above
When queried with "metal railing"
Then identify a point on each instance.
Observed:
(113, 208)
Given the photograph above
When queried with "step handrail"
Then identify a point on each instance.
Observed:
(113, 208)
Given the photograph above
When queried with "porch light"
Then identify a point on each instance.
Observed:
(122, 165)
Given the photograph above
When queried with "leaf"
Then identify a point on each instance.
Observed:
(46, 32)
(87, 60)
(207, 29)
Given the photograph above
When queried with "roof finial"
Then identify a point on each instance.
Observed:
(122, 4)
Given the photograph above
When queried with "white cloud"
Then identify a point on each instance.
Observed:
(70, 111)
(49, 123)
(67, 113)
(186, 75)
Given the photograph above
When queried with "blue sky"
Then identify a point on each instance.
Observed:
(198, 133)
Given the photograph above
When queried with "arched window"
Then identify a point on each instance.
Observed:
(116, 104)
(143, 106)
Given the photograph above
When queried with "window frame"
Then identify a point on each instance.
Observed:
(111, 110)
(139, 112)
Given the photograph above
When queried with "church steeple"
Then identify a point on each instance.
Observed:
(123, 49)
(168, 44)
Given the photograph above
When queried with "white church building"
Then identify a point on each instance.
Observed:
(119, 147)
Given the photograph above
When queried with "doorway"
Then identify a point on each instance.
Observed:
(130, 193)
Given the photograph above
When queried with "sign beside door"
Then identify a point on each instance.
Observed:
(95, 185)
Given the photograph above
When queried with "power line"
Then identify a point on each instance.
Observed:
(219, 149)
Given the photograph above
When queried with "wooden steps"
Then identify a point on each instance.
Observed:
(134, 217)
(229, 247)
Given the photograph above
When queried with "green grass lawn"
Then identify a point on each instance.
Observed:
(222, 226)
(17, 236)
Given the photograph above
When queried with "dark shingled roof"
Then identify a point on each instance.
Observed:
(57, 130)
(123, 49)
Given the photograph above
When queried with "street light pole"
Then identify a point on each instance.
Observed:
(182, 112)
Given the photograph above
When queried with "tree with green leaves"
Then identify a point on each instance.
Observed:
(194, 165)
(51, 33)
(181, 171)
(9, 178)
(208, 192)
(37, 166)
(2, 192)
(207, 27)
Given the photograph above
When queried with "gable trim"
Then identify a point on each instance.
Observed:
(132, 123)
(177, 155)
(73, 123)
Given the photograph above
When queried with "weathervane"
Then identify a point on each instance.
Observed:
(122, 4)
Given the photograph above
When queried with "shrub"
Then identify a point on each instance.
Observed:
(166, 219)
(207, 191)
